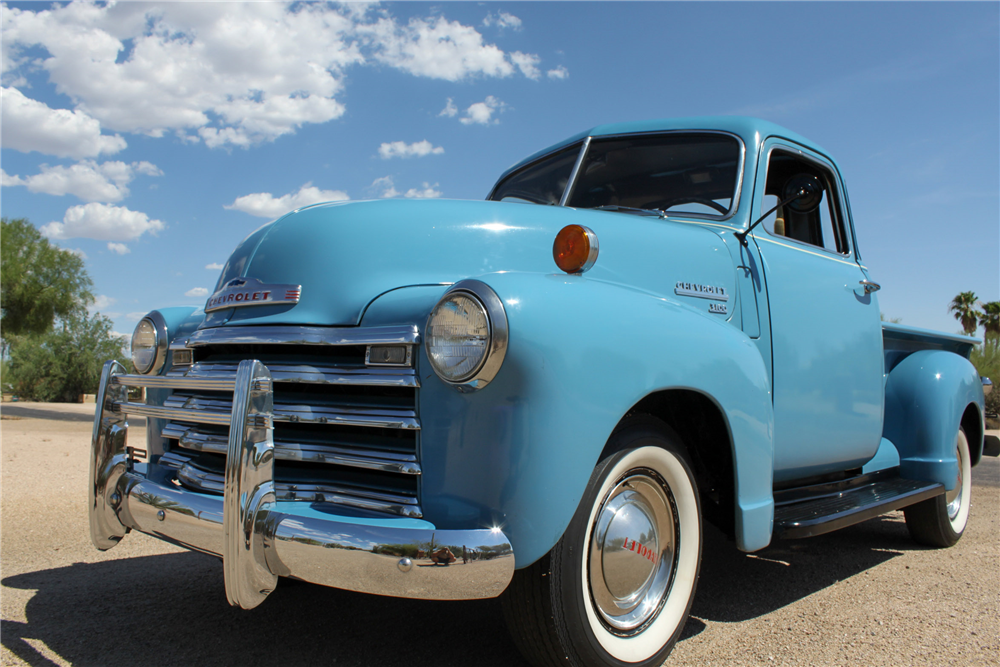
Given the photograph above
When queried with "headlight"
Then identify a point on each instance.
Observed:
(466, 335)
(149, 343)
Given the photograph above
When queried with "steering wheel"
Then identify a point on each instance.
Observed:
(695, 200)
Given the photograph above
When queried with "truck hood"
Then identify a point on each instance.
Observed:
(345, 255)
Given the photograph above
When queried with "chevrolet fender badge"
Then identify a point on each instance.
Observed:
(252, 292)
(701, 291)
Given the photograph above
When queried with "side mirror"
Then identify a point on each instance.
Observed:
(805, 192)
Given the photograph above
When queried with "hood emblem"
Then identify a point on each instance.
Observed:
(252, 292)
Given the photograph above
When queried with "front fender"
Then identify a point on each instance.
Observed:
(519, 452)
(926, 395)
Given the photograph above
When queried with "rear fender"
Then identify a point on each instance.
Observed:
(926, 397)
(519, 452)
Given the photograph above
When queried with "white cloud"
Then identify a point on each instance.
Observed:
(424, 192)
(449, 110)
(558, 73)
(197, 292)
(133, 317)
(87, 180)
(266, 205)
(403, 149)
(436, 48)
(226, 74)
(502, 20)
(481, 113)
(384, 188)
(214, 266)
(29, 125)
(101, 302)
(147, 169)
(527, 63)
(79, 253)
(102, 222)
(118, 248)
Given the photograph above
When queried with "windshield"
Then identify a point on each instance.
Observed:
(677, 172)
(541, 182)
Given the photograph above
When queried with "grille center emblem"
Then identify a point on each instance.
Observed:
(252, 292)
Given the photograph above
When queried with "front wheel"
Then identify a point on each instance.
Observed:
(618, 586)
(940, 521)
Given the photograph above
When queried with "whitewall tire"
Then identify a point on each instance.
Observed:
(617, 588)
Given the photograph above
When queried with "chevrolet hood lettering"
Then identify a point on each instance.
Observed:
(252, 292)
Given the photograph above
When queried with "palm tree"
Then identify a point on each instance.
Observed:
(964, 307)
(990, 318)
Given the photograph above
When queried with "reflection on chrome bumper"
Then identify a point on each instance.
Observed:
(260, 539)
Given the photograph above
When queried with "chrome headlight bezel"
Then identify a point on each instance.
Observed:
(155, 319)
(496, 346)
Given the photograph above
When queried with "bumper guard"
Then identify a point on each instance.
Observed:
(260, 539)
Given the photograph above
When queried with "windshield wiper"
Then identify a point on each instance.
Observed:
(635, 211)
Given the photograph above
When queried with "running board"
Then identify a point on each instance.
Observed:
(806, 514)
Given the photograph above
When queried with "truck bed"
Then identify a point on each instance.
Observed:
(899, 341)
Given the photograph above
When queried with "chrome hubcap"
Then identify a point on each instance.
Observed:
(954, 497)
(632, 551)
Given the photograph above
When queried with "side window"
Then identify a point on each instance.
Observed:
(820, 226)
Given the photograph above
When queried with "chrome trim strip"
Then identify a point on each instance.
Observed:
(497, 319)
(176, 414)
(227, 384)
(208, 482)
(568, 190)
(108, 461)
(348, 553)
(276, 335)
(249, 489)
(193, 406)
(309, 373)
(194, 439)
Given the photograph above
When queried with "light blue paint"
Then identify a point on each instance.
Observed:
(795, 367)
(885, 458)
(925, 397)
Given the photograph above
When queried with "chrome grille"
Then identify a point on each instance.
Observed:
(344, 433)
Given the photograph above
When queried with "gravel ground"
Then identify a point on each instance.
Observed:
(866, 595)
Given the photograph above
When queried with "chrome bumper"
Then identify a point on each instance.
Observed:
(260, 539)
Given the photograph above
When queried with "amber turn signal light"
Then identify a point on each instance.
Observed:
(575, 249)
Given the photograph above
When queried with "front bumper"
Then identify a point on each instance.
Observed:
(260, 539)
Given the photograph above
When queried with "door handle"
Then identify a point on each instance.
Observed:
(870, 286)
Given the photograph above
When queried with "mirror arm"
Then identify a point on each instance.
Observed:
(742, 236)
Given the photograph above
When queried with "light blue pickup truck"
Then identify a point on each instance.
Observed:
(543, 396)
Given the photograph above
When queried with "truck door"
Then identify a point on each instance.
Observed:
(825, 329)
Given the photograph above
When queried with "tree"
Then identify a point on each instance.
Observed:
(38, 281)
(990, 318)
(66, 362)
(964, 307)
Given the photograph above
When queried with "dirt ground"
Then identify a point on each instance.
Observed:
(866, 595)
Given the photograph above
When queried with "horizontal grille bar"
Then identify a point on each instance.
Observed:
(280, 335)
(298, 412)
(177, 414)
(200, 440)
(310, 373)
(225, 383)
(212, 482)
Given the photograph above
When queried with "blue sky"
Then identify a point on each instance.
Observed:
(151, 138)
